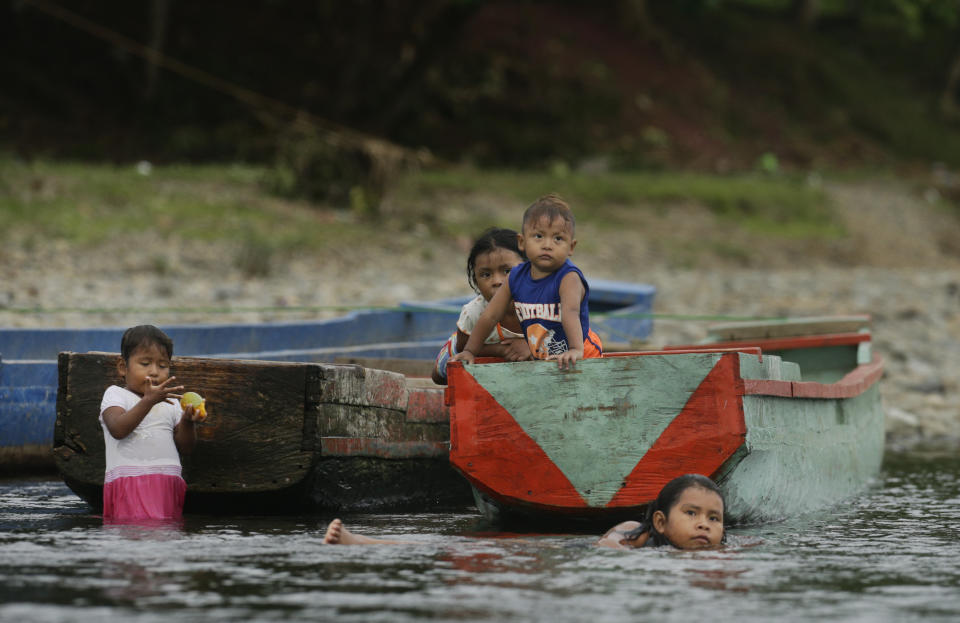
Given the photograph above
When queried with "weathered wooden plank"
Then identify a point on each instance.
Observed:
(384, 448)
(274, 430)
(374, 422)
(804, 454)
(251, 439)
(781, 343)
(355, 385)
(537, 442)
(407, 367)
(853, 384)
(427, 405)
(778, 444)
(815, 325)
(703, 436)
(687, 350)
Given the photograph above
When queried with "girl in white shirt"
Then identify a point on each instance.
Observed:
(144, 430)
(494, 253)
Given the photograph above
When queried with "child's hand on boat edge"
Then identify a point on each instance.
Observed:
(565, 361)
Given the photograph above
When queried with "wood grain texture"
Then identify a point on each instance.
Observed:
(251, 439)
(817, 325)
(355, 385)
(496, 455)
(686, 350)
(270, 429)
(533, 439)
(384, 448)
(407, 367)
(703, 436)
(783, 343)
(856, 382)
(427, 405)
(804, 454)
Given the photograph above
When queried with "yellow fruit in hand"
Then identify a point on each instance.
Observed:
(199, 403)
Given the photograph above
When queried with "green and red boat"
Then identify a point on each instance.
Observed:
(785, 416)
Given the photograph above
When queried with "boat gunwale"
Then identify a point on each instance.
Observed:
(859, 380)
(854, 383)
(783, 343)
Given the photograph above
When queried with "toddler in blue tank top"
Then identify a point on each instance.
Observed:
(548, 292)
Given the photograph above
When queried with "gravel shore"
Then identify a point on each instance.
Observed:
(904, 272)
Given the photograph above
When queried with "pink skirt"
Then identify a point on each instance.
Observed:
(151, 496)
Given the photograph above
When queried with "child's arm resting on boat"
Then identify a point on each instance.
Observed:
(571, 294)
(513, 349)
(495, 310)
(510, 348)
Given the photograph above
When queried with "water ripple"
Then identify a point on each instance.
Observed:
(887, 555)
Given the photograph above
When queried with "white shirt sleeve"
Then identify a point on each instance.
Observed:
(469, 316)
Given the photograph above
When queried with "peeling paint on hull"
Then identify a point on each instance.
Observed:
(535, 441)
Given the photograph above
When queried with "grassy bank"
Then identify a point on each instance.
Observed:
(89, 204)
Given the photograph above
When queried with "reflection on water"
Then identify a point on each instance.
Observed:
(889, 555)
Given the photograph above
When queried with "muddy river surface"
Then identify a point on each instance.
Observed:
(891, 554)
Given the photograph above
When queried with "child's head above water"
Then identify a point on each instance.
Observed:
(550, 208)
(493, 255)
(688, 514)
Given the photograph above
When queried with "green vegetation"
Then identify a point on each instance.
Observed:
(698, 85)
(774, 204)
(90, 204)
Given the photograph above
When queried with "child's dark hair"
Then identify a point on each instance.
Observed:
(551, 206)
(493, 238)
(144, 335)
(667, 499)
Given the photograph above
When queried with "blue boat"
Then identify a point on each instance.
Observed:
(411, 332)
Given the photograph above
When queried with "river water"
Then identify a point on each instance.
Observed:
(891, 554)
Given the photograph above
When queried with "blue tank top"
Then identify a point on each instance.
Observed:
(537, 302)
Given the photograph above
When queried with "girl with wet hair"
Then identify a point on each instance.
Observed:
(687, 514)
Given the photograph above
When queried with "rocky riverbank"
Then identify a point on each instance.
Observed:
(899, 261)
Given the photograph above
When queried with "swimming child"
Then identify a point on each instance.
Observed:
(144, 428)
(493, 256)
(687, 514)
(548, 292)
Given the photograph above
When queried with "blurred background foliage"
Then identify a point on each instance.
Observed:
(334, 98)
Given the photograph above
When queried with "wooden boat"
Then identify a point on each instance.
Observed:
(785, 416)
(280, 436)
(403, 339)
